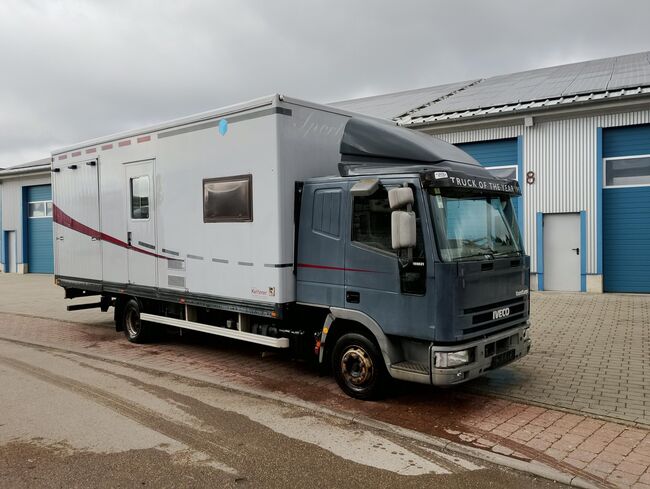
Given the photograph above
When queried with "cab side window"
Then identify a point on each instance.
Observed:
(371, 221)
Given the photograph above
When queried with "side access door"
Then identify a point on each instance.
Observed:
(377, 282)
(77, 243)
(141, 225)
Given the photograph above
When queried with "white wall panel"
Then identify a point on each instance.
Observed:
(562, 153)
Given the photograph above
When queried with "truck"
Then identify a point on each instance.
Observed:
(373, 250)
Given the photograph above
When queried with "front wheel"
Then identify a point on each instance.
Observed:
(359, 368)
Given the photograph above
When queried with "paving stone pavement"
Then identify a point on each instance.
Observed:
(591, 354)
(609, 453)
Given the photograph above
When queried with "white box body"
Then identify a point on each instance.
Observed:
(276, 140)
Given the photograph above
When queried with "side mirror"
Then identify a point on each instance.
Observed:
(400, 197)
(402, 228)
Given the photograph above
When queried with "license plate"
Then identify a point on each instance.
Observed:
(501, 358)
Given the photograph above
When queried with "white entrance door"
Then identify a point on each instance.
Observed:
(562, 252)
(141, 229)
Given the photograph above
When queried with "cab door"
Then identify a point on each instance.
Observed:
(377, 282)
(141, 223)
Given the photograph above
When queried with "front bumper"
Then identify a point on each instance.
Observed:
(489, 353)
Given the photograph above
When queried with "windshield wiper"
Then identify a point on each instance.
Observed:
(487, 253)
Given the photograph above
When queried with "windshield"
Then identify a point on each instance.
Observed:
(474, 226)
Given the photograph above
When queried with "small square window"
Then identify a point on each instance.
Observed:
(228, 199)
(140, 197)
(37, 209)
(634, 170)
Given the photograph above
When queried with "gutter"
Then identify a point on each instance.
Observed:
(17, 172)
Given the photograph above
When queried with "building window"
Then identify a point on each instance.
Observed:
(228, 199)
(39, 209)
(140, 197)
(628, 171)
(506, 172)
(371, 221)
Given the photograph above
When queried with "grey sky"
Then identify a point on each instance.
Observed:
(72, 70)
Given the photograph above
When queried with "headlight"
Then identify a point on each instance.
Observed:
(450, 359)
(526, 333)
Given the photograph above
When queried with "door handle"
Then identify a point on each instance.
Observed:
(128, 238)
(352, 297)
(93, 239)
(577, 250)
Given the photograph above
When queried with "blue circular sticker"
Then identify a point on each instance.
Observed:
(223, 127)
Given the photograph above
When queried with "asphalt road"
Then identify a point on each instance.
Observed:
(68, 420)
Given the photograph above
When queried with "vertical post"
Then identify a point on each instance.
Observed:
(583, 251)
(540, 251)
(599, 200)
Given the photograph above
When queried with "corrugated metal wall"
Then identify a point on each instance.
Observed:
(562, 153)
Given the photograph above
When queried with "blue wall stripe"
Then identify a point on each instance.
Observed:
(599, 200)
(540, 251)
(520, 174)
(583, 251)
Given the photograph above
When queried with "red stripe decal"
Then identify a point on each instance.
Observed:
(65, 220)
(144, 139)
(63, 157)
(325, 267)
(107, 146)
(76, 153)
(124, 143)
(91, 150)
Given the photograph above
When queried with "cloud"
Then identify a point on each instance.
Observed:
(72, 70)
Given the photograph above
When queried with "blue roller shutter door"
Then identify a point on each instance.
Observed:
(500, 152)
(39, 247)
(626, 217)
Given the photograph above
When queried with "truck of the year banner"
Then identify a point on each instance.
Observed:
(375, 251)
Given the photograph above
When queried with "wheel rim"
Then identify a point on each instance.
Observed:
(357, 367)
(133, 325)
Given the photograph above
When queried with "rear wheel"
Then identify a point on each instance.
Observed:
(359, 368)
(134, 329)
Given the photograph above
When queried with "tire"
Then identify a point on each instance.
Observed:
(358, 366)
(135, 330)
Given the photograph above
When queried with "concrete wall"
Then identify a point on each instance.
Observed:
(11, 207)
(564, 154)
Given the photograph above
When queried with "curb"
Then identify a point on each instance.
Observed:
(533, 467)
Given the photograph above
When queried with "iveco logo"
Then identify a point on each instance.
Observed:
(501, 313)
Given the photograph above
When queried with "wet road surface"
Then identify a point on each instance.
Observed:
(68, 420)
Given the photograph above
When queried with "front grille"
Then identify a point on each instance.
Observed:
(494, 305)
(483, 318)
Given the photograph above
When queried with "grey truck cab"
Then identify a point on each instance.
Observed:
(415, 253)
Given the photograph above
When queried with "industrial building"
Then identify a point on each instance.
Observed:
(577, 137)
(26, 240)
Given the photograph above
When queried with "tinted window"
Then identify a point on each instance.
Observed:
(140, 197)
(327, 209)
(228, 199)
(371, 221)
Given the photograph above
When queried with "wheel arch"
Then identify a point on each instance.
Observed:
(340, 321)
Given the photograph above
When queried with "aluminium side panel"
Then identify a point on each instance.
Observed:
(309, 147)
(224, 259)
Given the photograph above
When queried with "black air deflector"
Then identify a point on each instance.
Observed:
(376, 141)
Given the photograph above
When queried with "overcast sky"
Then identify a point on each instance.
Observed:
(71, 70)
